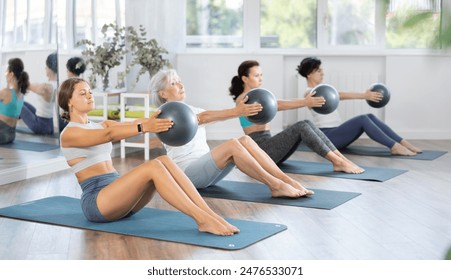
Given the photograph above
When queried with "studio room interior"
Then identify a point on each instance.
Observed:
(321, 165)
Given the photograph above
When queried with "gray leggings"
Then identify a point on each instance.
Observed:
(282, 145)
(7, 133)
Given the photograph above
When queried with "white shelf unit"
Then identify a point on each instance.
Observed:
(124, 143)
(104, 96)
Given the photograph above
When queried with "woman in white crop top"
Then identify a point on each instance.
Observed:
(342, 134)
(107, 196)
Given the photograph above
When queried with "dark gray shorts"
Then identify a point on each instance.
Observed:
(204, 172)
(90, 189)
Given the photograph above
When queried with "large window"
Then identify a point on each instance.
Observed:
(288, 24)
(214, 23)
(26, 23)
(322, 24)
(351, 22)
(412, 24)
(90, 15)
(34, 24)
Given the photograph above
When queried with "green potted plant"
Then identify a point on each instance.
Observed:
(146, 53)
(105, 56)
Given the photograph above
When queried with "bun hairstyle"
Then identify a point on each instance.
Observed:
(237, 86)
(308, 65)
(52, 62)
(15, 65)
(76, 65)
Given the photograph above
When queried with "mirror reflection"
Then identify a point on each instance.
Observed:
(44, 36)
(28, 34)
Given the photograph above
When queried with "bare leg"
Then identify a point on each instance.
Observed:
(269, 165)
(191, 191)
(411, 147)
(342, 164)
(128, 191)
(232, 150)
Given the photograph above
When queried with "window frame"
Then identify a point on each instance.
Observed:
(252, 37)
(48, 8)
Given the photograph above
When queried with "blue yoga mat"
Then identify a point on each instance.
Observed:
(256, 192)
(30, 146)
(148, 223)
(326, 169)
(381, 152)
(385, 152)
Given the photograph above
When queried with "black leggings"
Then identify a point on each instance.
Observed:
(282, 145)
(345, 134)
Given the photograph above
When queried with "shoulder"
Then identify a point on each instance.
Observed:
(240, 97)
(5, 93)
(196, 110)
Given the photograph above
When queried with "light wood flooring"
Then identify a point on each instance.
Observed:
(405, 218)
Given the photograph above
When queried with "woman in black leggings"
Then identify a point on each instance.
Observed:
(282, 145)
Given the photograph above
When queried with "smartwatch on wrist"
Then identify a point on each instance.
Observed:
(140, 128)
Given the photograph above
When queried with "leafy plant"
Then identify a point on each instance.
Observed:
(417, 19)
(146, 53)
(105, 56)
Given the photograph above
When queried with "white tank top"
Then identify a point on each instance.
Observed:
(44, 109)
(91, 155)
(325, 121)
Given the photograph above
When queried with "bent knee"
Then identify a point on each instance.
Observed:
(154, 164)
(302, 124)
(163, 158)
(371, 116)
(233, 142)
(246, 140)
(309, 122)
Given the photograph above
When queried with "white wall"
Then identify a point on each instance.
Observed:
(207, 79)
(421, 104)
(419, 108)
(164, 21)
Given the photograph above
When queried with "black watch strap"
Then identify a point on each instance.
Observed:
(140, 128)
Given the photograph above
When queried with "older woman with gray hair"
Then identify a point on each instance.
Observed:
(205, 166)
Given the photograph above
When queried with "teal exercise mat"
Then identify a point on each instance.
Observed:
(385, 152)
(151, 223)
(30, 146)
(326, 169)
(256, 192)
(26, 130)
(381, 152)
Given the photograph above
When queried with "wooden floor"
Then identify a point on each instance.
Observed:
(406, 218)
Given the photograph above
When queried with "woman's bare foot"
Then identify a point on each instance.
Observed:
(231, 227)
(342, 164)
(361, 170)
(297, 185)
(400, 150)
(411, 147)
(211, 225)
(282, 189)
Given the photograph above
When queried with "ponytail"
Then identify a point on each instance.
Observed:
(23, 82)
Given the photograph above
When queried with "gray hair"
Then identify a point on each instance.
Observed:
(158, 83)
